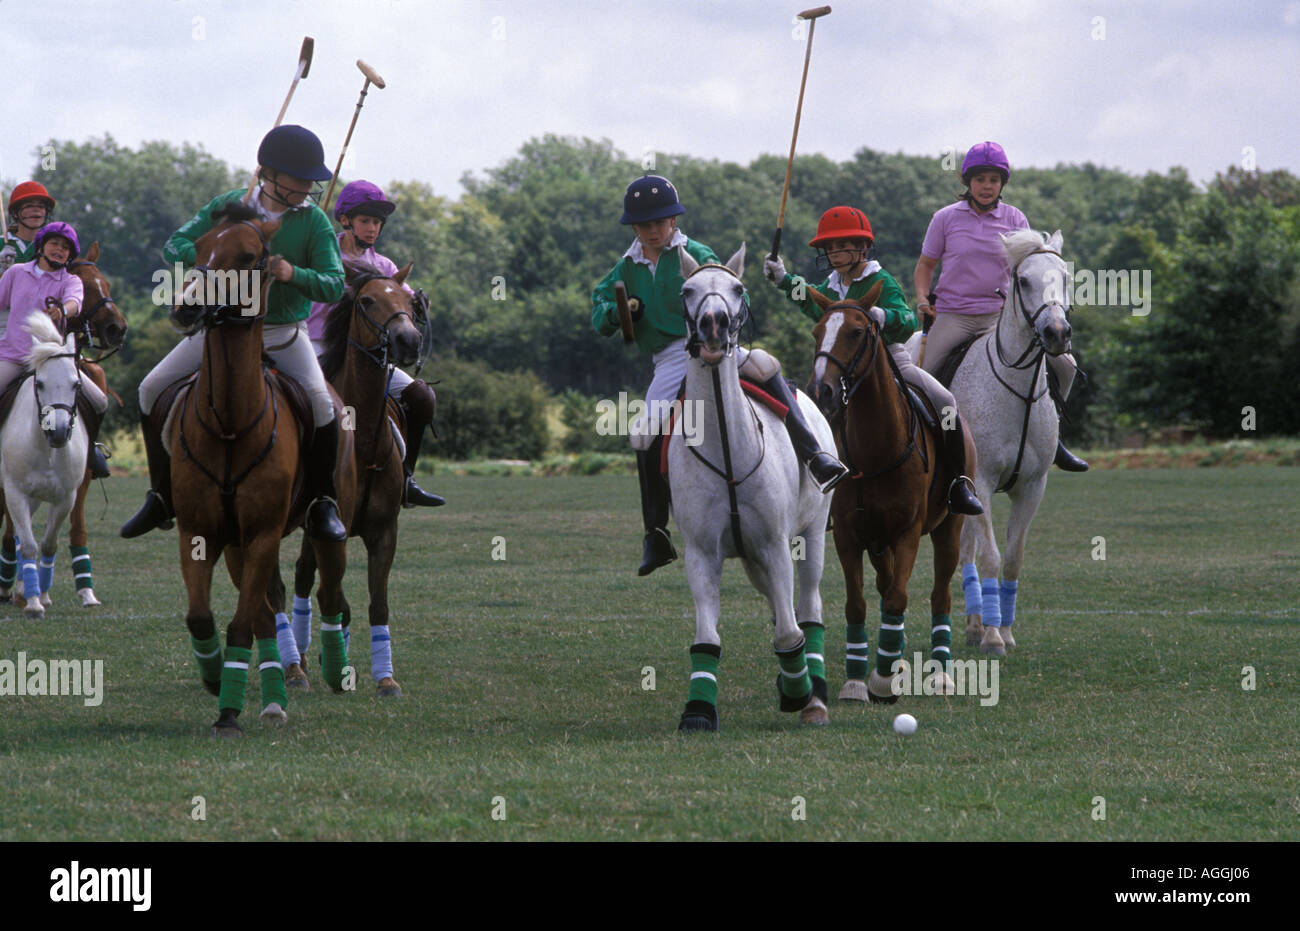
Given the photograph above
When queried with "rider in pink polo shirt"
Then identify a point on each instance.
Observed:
(965, 237)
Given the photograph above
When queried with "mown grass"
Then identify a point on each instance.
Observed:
(524, 689)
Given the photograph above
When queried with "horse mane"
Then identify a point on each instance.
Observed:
(236, 212)
(1020, 244)
(46, 340)
(338, 318)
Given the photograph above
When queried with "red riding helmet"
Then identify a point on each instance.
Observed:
(842, 223)
(30, 190)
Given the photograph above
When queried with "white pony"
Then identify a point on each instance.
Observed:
(743, 479)
(43, 447)
(1001, 392)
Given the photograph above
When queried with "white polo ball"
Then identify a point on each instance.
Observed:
(905, 724)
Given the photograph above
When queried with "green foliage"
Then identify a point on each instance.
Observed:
(484, 412)
(579, 415)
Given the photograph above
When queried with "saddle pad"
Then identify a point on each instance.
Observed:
(947, 369)
(7, 398)
(751, 389)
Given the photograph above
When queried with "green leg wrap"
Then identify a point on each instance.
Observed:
(208, 654)
(814, 648)
(889, 649)
(272, 672)
(234, 676)
(333, 651)
(941, 640)
(856, 651)
(704, 673)
(81, 567)
(795, 682)
(8, 566)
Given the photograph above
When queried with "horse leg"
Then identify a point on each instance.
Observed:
(58, 513)
(78, 542)
(771, 570)
(381, 547)
(288, 647)
(946, 540)
(304, 580)
(856, 645)
(254, 620)
(704, 574)
(981, 563)
(808, 608)
(21, 512)
(335, 614)
(893, 570)
(1024, 505)
(8, 557)
(197, 566)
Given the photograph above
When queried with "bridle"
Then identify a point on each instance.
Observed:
(1029, 357)
(734, 324)
(70, 408)
(81, 322)
(850, 379)
(217, 314)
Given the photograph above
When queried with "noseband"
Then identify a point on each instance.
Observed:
(378, 353)
(849, 381)
(1028, 358)
(734, 324)
(70, 408)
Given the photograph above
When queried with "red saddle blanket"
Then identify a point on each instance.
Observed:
(751, 389)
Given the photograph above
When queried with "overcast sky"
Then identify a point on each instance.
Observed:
(1136, 86)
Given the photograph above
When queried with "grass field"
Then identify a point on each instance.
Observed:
(524, 689)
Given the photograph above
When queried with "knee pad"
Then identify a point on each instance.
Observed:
(760, 366)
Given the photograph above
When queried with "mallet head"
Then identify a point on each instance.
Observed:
(304, 55)
(815, 12)
(371, 74)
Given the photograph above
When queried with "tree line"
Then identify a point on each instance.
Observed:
(510, 264)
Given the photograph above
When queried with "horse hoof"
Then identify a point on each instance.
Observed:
(212, 688)
(992, 644)
(295, 677)
(45, 599)
(6, 595)
(939, 683)
(974, 629)
(880, 688)
(854, 690)
(388, 688)
(88, 599)
(274, 714)
(699, 716)
(814, 714)
(233, 730)
(34, 610)
(1008, 641)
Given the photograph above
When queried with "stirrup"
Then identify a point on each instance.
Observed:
(153, 515)
(962, 498)
(657, 551)
(829, 474)
(99, 456)
(323, 521)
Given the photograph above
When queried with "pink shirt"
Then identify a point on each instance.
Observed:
(974, 265)
(23, 291)
(316, 319)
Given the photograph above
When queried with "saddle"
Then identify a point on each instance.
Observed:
(750, 388)
(947, 369)
(165, 408)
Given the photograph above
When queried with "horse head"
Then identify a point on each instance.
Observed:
(239, 247)
(713, 303)
(1040, 287)
(100, 323)
(55, 378)
(383, 321)
(848, 337)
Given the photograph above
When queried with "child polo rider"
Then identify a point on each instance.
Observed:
(361, 210)
(30, 208)
(651, 271)
(843, 240)
(304, 266)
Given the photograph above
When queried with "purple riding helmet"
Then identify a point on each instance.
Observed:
(364, 198)
(58, 228)
(986, 155)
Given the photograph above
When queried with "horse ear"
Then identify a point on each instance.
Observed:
(270, 228)
(92, 254)
(821, 300)
(1054, 241)
(737, 262)
(869, 301)
(689, 265)
(400, 277)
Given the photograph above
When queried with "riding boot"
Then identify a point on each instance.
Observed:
(827, 471)
(323, 521)
(418, 399)
(157, 509)
(1065, 460)
(961, 494)
(657, 548)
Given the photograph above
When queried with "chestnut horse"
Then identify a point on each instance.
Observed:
(235, 453)
(897, 492)
(366, 334)
(99, 326)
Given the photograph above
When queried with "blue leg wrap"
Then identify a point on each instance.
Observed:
(381, 652)
(992, 605)
(301, 624)
(284, 639)
(1007, 595)
(970, 586)
(46, 574)
(31, 579)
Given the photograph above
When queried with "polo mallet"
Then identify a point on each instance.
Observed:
(624, 312)
(811, 16)
(372, 77)
(304, 65)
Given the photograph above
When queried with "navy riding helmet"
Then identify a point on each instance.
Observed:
(294, 150)
(650, 198)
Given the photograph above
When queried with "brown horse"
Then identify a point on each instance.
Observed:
(100, 327)
(235, 451)
(367, 333)
(897, 492)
